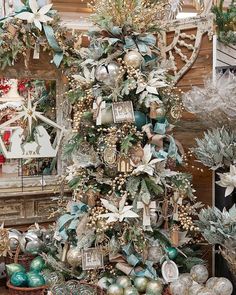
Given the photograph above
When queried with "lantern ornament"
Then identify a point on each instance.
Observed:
(40, 145)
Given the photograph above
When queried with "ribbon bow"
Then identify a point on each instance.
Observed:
(142, 42)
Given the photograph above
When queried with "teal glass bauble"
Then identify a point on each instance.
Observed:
(19, 279)
(35, 280)
(140, 119)
(37, 264)
(172, 252)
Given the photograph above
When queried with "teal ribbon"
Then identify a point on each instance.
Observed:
(160, 127)
(135, 259)
(58, 53)
(70, 220)
(141, 42)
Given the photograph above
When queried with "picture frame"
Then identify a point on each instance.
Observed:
(92, 258)
(170, 271)
(123, 112)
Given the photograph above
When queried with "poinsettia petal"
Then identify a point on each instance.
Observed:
(45, 9)
(33, 4)
(45, 18)
(229, 190)
(109, 206)
(38, 24)
(25, 16)
(147, 153)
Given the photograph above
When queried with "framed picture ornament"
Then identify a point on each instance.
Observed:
(92, 258)
(123, 111)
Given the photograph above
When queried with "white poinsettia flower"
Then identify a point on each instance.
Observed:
(146, 165)
(71, 172)
(37, 16)
(118, 213)
(228, 180)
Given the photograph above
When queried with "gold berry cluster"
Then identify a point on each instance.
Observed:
(97, 222)
(185, 218)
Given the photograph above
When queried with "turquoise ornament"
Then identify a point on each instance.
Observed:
(19, 279)
(13, 268)
(37, 264)
(131, 291)
(140, 119)
(140, 284)
(172, 252)
(35, 279)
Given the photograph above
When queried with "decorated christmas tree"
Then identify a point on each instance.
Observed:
(132, 210)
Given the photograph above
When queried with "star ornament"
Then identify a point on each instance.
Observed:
(37, 16)
(118, 213)
(29, 112)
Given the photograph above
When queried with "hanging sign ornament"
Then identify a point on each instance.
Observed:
(40, 146)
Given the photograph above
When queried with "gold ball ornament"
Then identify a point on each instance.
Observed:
(140, 284)
(131, 291)
(133, 59)
(74, 257)
(199, 273)
(154, 287)
(115, 289)
(123, 282)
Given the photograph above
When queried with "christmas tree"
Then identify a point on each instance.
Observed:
(132, 211)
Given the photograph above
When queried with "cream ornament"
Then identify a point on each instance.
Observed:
(37, 16)
(120, 213)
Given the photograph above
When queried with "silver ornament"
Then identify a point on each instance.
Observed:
(74, 257)
(104, 283)
(178, 287)
(133, 59)
(123, 281)
(131, 291)
(14, 237)
(194, 289)
(211, 282)
(108, 73)
(155, 253)
(199, 273)
(206, 291)
(223, 286)
(186, 279)
(115, 289)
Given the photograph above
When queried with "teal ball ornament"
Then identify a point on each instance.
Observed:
(35, 280)
(37, 264)
(140, 119)
(123, 281)
(115, 289)
(154, 287)
(131, 291)
(172, 252)
(140, 284)
(19, 279)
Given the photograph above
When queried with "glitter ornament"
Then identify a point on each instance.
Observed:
(133, 59)
(140, 284)
(123, 281)
(154, 287)
(223, 286)
(186, 279)
(131, 291)
(199, 273)
(115, 289)
(74, 257)
(178, 287)
(211, 282)
(194, 289)
(206, 291)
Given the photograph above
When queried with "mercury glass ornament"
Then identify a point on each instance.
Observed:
(211, 282)
(178, 287)
(35, 280)
(194, 289)
(37, 264)
(133, 59)
(140, 119)
(131, 291)
(104, 283)
(54, 278)
(115, 289)
(19, 279)
(154, 287)
(186, 278)
(14, 236)
(172, 252)
(155, 253)
(223, 286)
(206, 291)
(199, 273)
(13, 268)
(108, 73)
(140, 284)
(59, 290)
(74, 257)
(123, 281)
